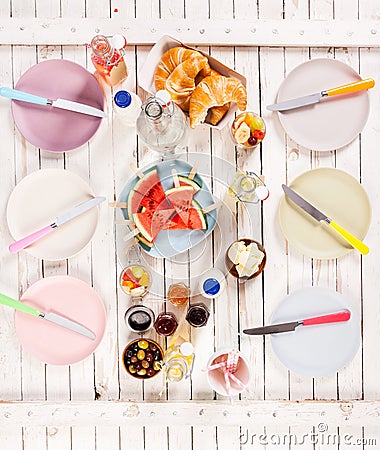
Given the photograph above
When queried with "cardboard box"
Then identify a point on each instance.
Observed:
(146, 80)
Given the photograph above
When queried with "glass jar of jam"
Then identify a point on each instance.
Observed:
(198, 315)
(166, 324)
(178, 294)
(139, 318)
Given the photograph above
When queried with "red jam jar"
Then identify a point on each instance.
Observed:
(166, 324)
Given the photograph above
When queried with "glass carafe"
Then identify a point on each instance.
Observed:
(161, 124)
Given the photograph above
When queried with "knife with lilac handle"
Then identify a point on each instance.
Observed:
(63, 218)
(341, 316)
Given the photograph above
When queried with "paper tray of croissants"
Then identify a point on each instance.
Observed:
(197, 83)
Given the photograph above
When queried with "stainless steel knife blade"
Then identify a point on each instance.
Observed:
(298, 102)
(68, 323)
(272, 329)
(77, 107)
(78, 210)
(305, 205)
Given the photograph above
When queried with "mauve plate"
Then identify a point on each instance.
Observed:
(55, 129)
(71, 298)
(333, 122)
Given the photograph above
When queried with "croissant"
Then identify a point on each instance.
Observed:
(169, 61)
(181, 82)
(216, 112)
(215, 91)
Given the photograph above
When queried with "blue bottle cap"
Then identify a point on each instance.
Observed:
(211, 286)
(123, 99)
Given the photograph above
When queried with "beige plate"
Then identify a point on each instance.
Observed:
(338, 195)
(36, 202)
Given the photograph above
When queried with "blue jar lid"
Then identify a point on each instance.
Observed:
(211, 286)
(123, 99)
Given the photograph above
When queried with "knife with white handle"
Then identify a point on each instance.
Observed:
(63, 218)
(51, 317)
(58, 103)
(299, 102)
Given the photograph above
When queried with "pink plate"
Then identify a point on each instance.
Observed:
(51, 128)
(335, 121)
(71, 298)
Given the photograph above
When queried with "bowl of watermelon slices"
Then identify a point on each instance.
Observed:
(167, 211)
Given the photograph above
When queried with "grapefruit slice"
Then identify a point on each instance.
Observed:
(181, 199)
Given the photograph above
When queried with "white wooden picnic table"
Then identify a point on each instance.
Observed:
(85, 406)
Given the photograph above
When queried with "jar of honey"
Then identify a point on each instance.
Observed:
(178, 294)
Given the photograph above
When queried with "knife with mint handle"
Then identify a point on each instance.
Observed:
(51, 317)
(61, 103)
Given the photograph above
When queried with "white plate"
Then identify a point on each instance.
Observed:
(36, 202)
(331, 123)
(317, 350)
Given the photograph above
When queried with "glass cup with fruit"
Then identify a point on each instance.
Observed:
(248, 130)
(135, 280)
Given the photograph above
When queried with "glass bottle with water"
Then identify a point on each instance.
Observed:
(161, 124)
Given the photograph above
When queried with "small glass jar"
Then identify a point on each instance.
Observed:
(247, 187)
(135, 280)
(178, 294)
(107, 57)
(175, 369)
(198, 315)
(247, 130)
(166, 324)
(139, 318)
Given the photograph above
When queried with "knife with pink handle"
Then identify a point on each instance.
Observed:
(341, 316)
(63, 218)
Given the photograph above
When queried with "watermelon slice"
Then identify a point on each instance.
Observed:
(147, 193)
(181, 199)
(197, 219)
(150, 225)
(185, 181)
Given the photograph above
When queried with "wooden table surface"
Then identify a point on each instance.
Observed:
(104, 164)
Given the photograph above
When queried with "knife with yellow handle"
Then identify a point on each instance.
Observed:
(320, 217)
(361, 85)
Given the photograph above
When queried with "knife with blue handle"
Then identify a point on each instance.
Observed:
(51, 317)
(59, 103)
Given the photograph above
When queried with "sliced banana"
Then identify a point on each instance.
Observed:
(243, 133)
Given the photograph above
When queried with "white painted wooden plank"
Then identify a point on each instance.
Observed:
(369, 63)
(34, 438)
(276, 385)
(263, 32)
(297, 162)
(83, 438)
(58, 437)
(228, 438)
(204, 437)
(190, 413)
(103, 246)
(10, 369)
(11, 438)
(249, 217)
(26, 159)
(107, 438)
(156, 437)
